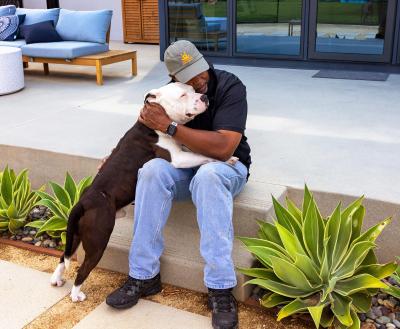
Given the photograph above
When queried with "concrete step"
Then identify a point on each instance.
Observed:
(181, 262)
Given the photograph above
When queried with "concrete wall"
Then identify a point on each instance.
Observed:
(114, 5)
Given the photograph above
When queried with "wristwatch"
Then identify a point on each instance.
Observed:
(171, 130)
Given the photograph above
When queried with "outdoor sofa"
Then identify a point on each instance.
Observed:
(84, 39)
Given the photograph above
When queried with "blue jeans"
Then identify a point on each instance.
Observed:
(212, 187)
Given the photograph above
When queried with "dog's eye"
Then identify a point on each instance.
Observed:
(183, 95)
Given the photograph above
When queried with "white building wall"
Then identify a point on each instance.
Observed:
(35, 4)
(115, 6)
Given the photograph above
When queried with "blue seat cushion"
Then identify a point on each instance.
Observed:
(39, 15)
(16, 43)
(63, 49)
(7, 10)
(88, 26)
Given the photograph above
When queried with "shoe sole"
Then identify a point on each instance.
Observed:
(155, 290)
(235, 327)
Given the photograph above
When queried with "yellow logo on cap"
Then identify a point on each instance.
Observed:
(186, 58)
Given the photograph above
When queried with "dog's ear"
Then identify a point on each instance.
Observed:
(152, 94)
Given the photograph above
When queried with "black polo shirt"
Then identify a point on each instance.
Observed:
(227, 110)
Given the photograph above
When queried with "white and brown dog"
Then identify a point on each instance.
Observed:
(92, 219)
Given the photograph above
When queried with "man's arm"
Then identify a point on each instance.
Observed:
(219, 145)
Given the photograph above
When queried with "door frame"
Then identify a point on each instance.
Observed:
(386, 57)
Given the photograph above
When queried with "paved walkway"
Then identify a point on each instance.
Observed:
(145, 315)
(29, 289)
(25, 289)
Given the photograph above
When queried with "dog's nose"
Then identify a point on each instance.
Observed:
(204, 99)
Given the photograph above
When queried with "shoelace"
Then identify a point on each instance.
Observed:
(222, 301)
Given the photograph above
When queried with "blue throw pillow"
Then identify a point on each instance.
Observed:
(15, 36)
(7, 10)
(89, 26)
(34, 16)
(40, 32)
(9, 27)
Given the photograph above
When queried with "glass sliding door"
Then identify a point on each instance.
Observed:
(270, 27)
(202, 22)
(352, 29)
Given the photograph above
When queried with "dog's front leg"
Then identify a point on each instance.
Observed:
(189, 160)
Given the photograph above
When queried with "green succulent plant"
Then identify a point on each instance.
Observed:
(60, 204)
(323, 266)
(16, 199)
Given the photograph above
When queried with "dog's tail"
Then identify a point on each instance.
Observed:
(72, 227)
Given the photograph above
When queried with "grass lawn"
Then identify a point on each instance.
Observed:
(262, 11)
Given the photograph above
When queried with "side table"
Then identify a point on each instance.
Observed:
(11, 70)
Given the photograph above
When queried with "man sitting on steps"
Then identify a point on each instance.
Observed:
(217, 133)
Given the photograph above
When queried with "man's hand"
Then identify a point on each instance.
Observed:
(154, 116)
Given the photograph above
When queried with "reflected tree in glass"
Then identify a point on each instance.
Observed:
(202, 22)
(268, 26)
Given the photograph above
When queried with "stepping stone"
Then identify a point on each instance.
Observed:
(144, 315)
(25, 294)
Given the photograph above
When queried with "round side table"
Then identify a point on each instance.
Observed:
(11, 70)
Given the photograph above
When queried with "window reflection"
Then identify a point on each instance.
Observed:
(268, 26)
(351, 26)
(202, 22)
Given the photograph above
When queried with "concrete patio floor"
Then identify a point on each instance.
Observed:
(338, 136)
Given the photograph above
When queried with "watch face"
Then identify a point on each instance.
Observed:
(171, 130)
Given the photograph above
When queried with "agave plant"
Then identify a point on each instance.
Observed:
(60, 204)
(16, 199)
(324, 266)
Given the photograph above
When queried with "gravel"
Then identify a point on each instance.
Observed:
(28, 234)
(384, 312)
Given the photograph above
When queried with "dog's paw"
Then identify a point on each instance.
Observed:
(56, 279)
(57, 282)
(79, 297)
(232, 160)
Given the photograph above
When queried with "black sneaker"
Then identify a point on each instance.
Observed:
(129, 294)
(224, 308)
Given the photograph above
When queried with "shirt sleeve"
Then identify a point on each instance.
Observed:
(231, 113)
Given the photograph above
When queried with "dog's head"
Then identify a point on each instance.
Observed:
(179, 100)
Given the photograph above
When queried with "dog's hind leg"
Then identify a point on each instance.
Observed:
(57, 279)
(94, 240)
(87, 266)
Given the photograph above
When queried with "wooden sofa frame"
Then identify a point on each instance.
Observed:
(97, 60)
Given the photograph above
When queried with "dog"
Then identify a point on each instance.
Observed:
(92, 219)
